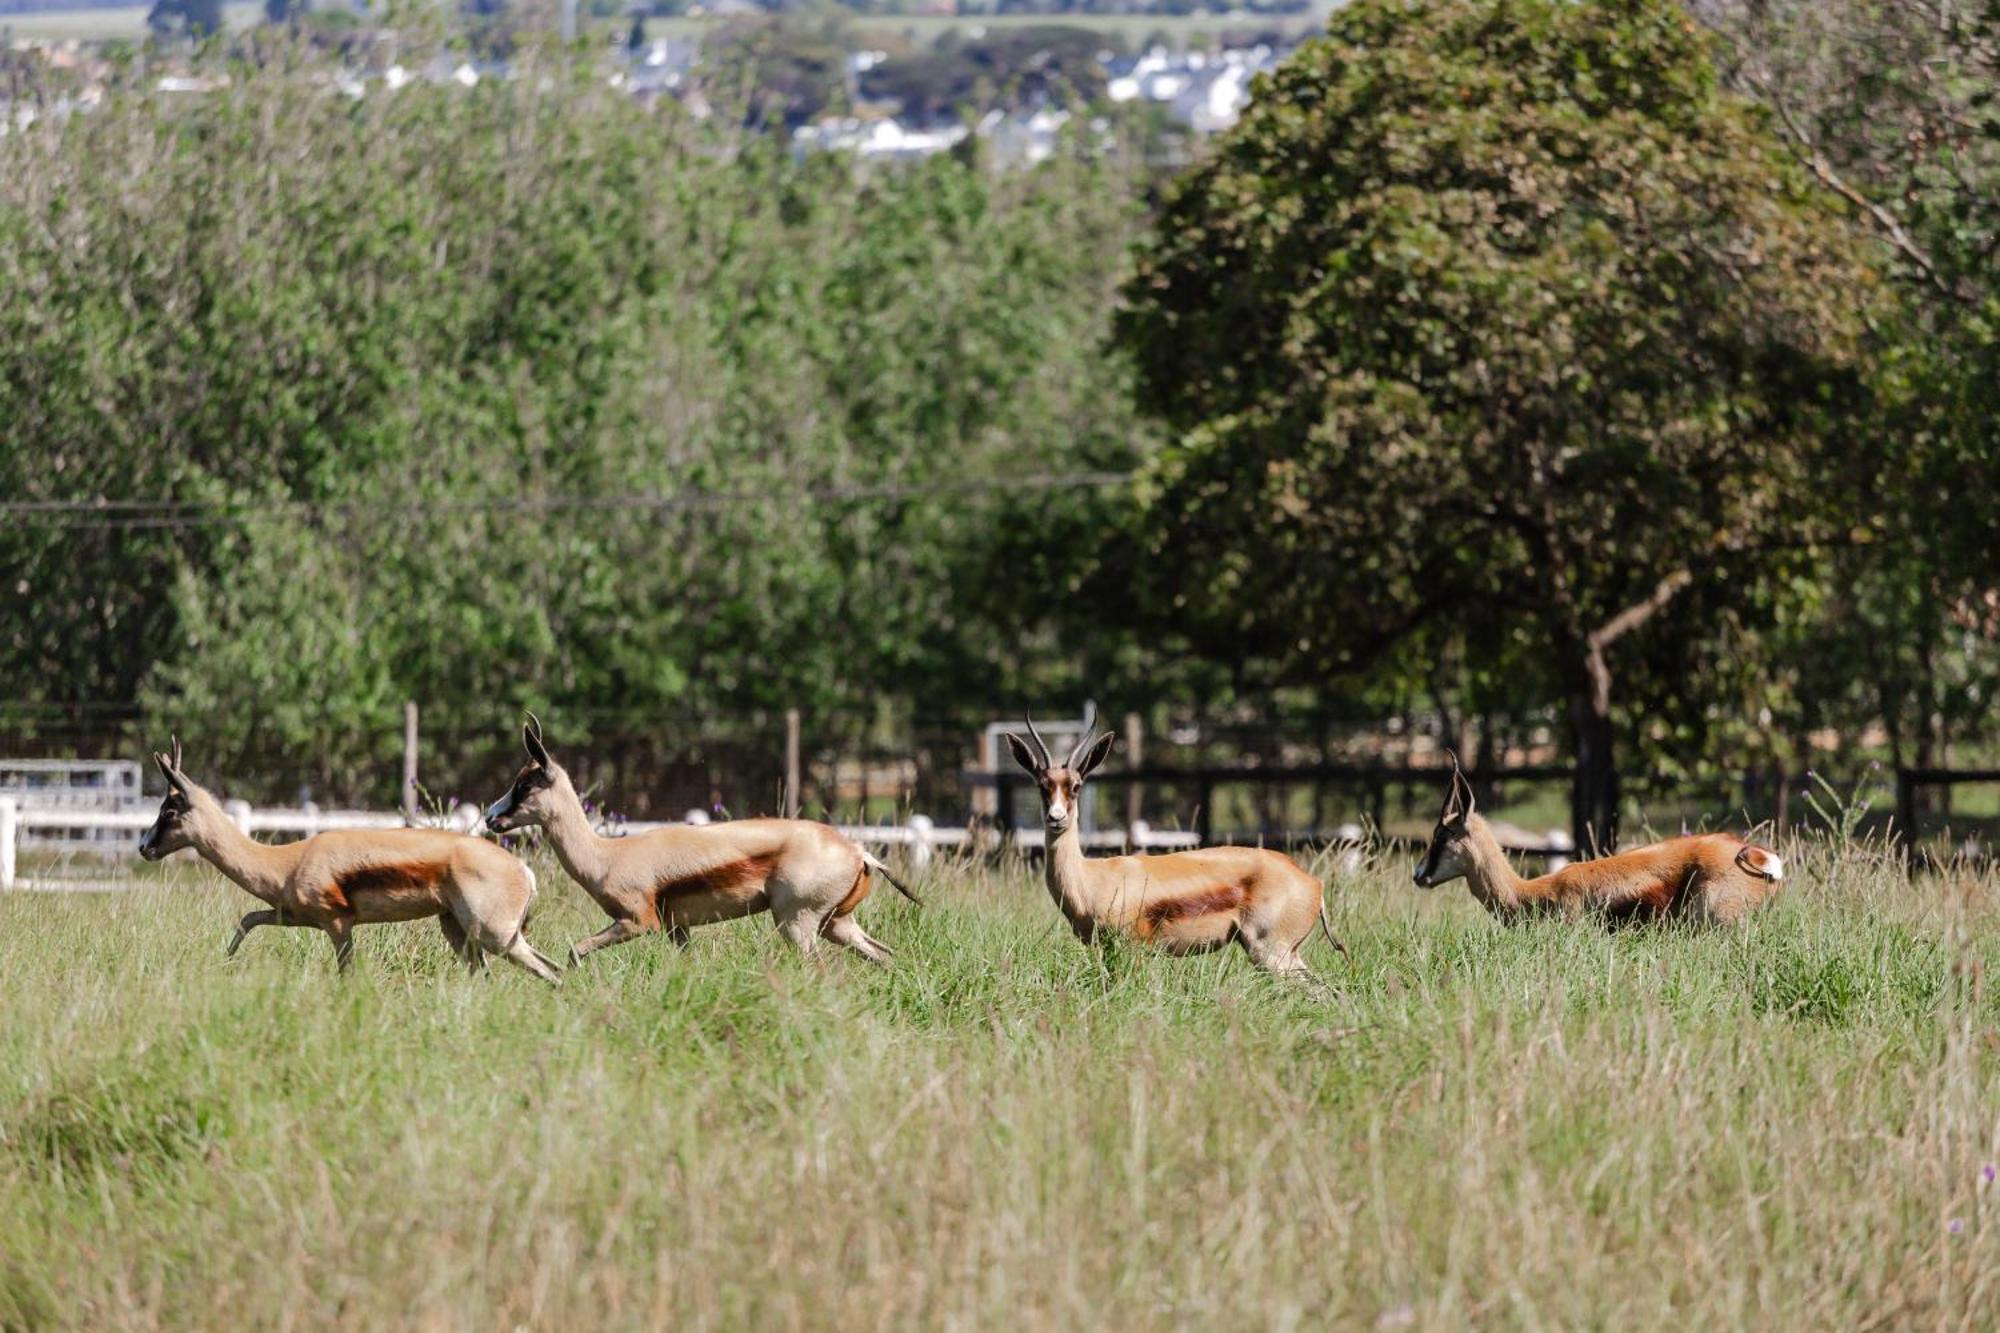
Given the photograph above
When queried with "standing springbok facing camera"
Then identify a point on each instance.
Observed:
(1707, 877)
(806, 875)
(337, 880)
(1185, 902)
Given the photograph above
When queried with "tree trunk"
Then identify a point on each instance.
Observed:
(1594, 790)
(1593, 799)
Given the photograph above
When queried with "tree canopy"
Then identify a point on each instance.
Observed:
(1502, 321)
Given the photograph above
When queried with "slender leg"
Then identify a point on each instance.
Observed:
(846, 930)
(250, 922)
(525, 955)
(461, 944)
(616, 933)
(1284, 963)
(799, 924)
(341, 931)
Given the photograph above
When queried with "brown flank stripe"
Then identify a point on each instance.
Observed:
(404, 876)
(1163, 912)
(740, 874)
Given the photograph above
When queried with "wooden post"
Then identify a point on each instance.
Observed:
(1906, 811)
(10, 814)
(410, 760)
(791, 802)
(1135, 757)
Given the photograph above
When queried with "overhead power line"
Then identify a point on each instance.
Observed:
(113, 515)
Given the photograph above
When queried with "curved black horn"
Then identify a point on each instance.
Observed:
(1040, 744)
(1089, 735)
(531, 737)
(1453, 804)
(170, 768)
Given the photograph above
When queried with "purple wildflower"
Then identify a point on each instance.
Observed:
(1955, 1226)
(1987, 1172)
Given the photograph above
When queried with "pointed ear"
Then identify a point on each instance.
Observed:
(1095, 755)
(1023, 756)
(531, 736)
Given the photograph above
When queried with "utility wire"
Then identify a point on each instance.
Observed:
(120, 515)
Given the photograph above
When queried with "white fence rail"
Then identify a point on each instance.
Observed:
(918, 837)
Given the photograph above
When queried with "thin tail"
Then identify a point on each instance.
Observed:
(874, 863)
(1326, 929)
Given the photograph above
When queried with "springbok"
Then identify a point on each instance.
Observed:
(342, 878)
(1707, 877)
(1185, 902)
(806, 875)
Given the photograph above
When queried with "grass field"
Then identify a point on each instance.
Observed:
(1790, 1126)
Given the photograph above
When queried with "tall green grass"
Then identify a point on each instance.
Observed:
(1782, 1127)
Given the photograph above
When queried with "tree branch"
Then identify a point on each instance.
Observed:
(1639, 612)
(1887, 223)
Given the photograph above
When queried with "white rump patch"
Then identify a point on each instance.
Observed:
(1760, 862)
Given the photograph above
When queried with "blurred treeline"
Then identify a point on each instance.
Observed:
(531, 395)
(535, 395)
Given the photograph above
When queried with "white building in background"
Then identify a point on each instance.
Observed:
(882, 140)
(1214, 98)
(1204, 91)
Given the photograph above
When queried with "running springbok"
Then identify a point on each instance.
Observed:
(342, 878)
(1185, 902)
(1709, 877)
(806, 875)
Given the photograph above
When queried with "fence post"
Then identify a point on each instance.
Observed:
(239, 813)
(1137, 834)
(791, 801)
(410, 760)
(10, 827)
(1135, 757)
(1906, 811)
(920, 841)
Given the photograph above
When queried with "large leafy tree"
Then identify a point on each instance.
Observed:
(1504, 318)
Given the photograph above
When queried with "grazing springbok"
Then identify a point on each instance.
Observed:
(1706, 877)
(806, 875)
(337, 880)
(1185, 902)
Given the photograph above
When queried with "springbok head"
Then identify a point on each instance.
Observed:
(1450, 854)
(540, 789)
(184, 811)
(1061, 784)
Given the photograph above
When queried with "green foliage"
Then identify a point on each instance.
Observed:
(1896, 105)
(522, 394)
(1503, 319)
